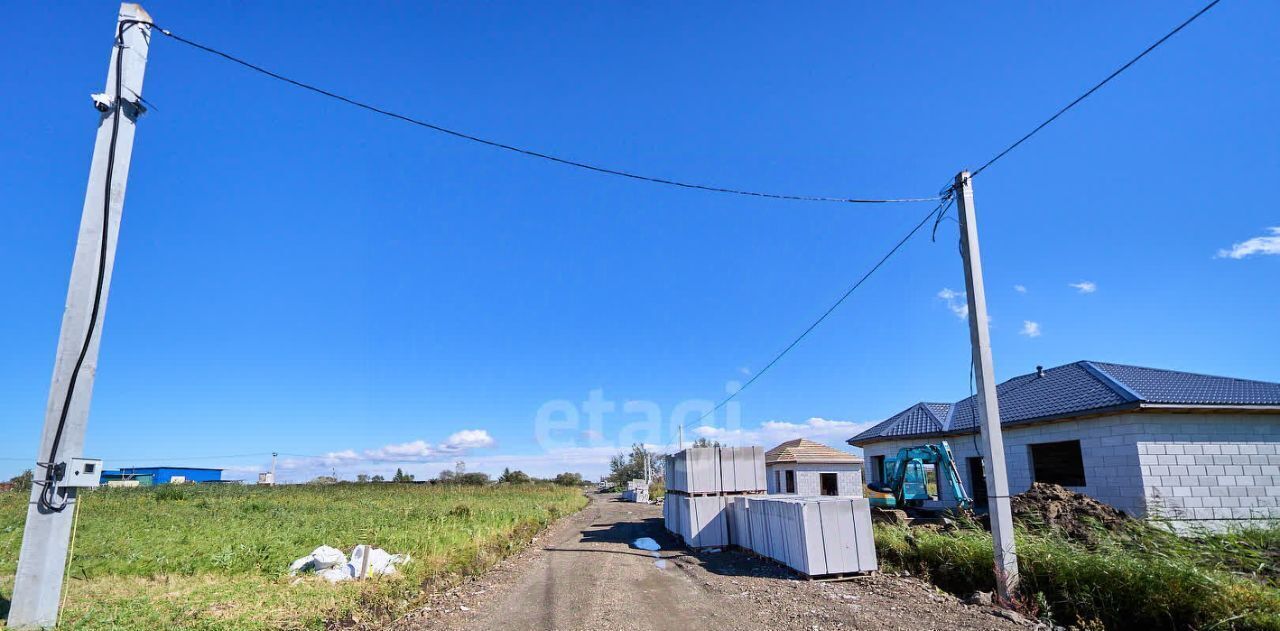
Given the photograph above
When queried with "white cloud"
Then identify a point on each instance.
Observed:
(770, 433)
(1256, 245)
(956, 302)
(1030, 329)
(457, 445)
(1084, 286)
(746, 372)
(468, 439)
(1022, 289)
(414, 449)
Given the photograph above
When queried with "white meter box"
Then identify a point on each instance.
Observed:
(81, 473)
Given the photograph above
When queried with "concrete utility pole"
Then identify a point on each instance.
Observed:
(273, 468)
(38, 583)
(1006, 557)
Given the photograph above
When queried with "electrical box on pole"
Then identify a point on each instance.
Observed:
(1006, 558)
(59, 468)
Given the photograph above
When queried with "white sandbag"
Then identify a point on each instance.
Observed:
(381, 562)
(336, 574)
(321, 558)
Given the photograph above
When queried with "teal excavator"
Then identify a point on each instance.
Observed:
(905, 482)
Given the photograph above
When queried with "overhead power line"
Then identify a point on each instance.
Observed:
(1095, 88)
(938, 211)
(524, 151)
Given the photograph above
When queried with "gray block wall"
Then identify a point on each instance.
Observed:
(1128, 463)
(1212, 470)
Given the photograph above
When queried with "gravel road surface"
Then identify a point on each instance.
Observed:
(586, 573)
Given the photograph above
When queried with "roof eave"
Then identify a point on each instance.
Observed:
(1107, 411)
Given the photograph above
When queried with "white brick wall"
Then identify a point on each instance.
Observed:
(808, 482)
(1212, 467)
(1173, 466)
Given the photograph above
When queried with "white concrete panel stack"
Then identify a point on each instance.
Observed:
(701, 483)
(816, 536)
(706, 522)
(636, 491)
(739, 522)
(742, 469)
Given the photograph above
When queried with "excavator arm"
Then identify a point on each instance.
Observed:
(939, 455)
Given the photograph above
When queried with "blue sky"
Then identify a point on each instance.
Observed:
(297, 275)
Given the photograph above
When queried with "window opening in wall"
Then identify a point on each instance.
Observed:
(977, 481)
(1058, 463)
(830, 483)
(791, 481)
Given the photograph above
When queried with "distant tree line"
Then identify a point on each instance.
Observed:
(460, 476)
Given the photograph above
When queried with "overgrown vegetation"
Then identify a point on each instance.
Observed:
(1138, 578)
(567, 479)
(216, 557)
(657, 489)
(628, 466)
(22, 481)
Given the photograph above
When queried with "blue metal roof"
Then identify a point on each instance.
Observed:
(921, 418)
(1076, 389)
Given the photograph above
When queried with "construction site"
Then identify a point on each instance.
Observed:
(367, 282)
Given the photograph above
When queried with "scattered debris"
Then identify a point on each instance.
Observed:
(1077, 516)
(646, 543)
(332, 565)
(979, 598)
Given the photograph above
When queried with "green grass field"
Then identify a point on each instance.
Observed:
(1142, 578)
(217, 557)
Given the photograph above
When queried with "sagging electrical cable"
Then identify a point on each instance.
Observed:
(524, 151)
(1095, 88)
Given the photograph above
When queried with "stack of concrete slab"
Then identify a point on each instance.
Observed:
(816, 536)
(701, 481)
(636, 491)
(700, 521)
(703, 470)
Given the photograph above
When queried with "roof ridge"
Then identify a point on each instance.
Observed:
(1110, 381)
(951, 415)
(1180, 372)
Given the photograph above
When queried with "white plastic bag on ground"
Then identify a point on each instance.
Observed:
(331, 564)
(381, 562)
(321, 558)
(342, 572)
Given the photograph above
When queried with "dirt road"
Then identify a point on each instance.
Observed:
(586, 573)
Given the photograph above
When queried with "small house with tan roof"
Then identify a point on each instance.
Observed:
(805, 467)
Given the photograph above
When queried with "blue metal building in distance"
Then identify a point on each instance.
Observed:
(147, 476)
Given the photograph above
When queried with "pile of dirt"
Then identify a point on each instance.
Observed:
(1077, 516)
